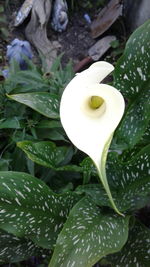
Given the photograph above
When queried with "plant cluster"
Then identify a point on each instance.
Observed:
(3, 22)
(51, 200)
(87, 4)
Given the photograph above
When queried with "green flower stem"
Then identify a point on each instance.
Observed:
(103, 176)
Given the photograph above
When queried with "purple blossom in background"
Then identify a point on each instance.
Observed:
(18, 50)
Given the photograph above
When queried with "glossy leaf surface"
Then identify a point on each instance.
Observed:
(132, 79)
(136, 251)
(88, 235)
(132, 70)
(45, 103)
(28, 208)
(45, 153)
(129, 182)
(14, 249)
(136, 119)
(131, 178)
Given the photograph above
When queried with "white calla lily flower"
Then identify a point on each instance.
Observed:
(90, 113)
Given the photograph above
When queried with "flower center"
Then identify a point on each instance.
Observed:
(96, 102)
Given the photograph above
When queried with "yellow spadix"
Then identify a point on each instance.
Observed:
(90, 113)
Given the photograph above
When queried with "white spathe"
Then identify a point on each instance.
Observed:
(91, 130)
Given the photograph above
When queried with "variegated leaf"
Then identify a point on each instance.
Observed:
(88, 235)
(29, 209)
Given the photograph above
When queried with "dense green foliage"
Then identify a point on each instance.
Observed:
(3, 22)
(50, 195)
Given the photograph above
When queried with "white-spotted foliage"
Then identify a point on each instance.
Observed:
(132, 69)
(45, 103)
(88, 235)
(136, 252)
(132, 78)
(46, 153)
(14, 249)
(136, 119)
(122, 173)
(129, 182)
(29, 209)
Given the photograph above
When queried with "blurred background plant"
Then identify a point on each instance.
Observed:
(87, 4)
(27, 124)
(92, 4)
(4, 33)
(3, 22)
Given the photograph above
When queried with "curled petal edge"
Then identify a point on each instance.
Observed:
(91, 129)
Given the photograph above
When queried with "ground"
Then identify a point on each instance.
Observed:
(74, 42)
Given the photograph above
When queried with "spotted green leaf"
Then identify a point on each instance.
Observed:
(88, 235)
(130, 178)
(136, 119)
(132, 71)
(129, 181)
(135, 168)
(97, 194)
(14, 249)
(45, 103)
(29, 209)
(136, 252)
(132, 78)
(46, 153)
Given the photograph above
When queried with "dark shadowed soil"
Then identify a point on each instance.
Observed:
(73, 43)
